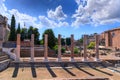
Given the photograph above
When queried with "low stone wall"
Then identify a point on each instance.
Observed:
(4, 65)
(68, 55)
(37, 53)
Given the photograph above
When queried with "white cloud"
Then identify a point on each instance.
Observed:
(20, 17)
(24, 18)
(78, 2)
(63, 24)
(58, 14)
(46, 22)
(81, 2)
(3, 8)
(97, 12)
(43, 21)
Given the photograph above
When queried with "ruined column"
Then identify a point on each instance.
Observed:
(18, 48)
(46, 48)
(72, 48)
(59, 48)
(32, 48)
(97, 47)
(85, 48)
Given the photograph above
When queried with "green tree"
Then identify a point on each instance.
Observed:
(68, 41)
(41, 42)
(91, 45)
(36, 35)
(18, 29)
(81, 40)
(12, 36)
(51, 38)
(62, 41)
(30, 32)
(62, 50)
(56, 49)
(24, 33)
(76, 50)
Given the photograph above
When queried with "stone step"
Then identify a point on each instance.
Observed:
(2, 54)
(4, 64)
(4, 61)
(43, 64)
(4, 57)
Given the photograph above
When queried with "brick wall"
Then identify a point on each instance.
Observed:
(112, 38)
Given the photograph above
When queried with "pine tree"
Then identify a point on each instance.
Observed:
(12, 36)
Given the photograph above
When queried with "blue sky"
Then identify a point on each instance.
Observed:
(65, 17)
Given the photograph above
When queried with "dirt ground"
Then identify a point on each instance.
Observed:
(56, 73)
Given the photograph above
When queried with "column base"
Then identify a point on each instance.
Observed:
(72, 60)
(45, 60)
(59, 60)
(17, 60)
(85, 60)
(96, 59)
(32, 60)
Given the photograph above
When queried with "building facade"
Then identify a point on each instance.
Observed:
(111, 38)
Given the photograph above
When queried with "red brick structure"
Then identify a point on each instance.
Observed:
(111, 38)
(4, 30)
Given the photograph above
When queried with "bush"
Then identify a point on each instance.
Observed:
(41, 42)
(76, 50)
(62, 50)
(56, 49)
(91, 45)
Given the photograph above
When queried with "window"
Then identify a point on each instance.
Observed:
(113, 34)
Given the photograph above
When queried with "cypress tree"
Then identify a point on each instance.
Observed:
(12, 36)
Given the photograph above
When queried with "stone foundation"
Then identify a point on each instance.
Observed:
(4, 65)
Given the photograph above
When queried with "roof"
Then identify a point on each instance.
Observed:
(117, 28)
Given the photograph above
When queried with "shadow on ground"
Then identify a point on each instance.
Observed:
(33, 70)
(15, 72)
(50, 70)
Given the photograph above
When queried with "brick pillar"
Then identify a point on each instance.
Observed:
(18, 48)
(46, 48)
(32, 48)
(97, 47)
(72, 48)
(85, 48)
(59, 48)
